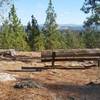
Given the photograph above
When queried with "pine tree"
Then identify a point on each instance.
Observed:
(92, 24)
(14, 34)
(39, 42)
(4, 36)
(74, 40)
(93, 7)
(35, 37)
(17, 30)
(53, 38)
(92, 39)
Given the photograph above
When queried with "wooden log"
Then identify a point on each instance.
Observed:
(49, 67)
(80, 50)
(42, 69)
(73, 52)
(70, 59)
(72, 55)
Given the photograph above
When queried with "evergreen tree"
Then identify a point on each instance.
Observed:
(74, 40)
(92, 39)
(14, 35)
(53, 38)
(35, 37)
(92, 6)
(91, 36)
(4, 36)
(17, 30)
(39, 42)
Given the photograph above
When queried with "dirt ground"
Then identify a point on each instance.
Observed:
(53, 84)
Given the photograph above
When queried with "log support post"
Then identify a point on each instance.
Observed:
(99, 63)
(53, 59)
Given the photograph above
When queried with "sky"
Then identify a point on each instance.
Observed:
(68, 11)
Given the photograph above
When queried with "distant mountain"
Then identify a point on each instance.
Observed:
(72, 27)
(61, 27)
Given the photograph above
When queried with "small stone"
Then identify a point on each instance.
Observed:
(7, 77)
(27, 84)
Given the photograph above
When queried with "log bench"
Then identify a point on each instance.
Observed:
(71, 55)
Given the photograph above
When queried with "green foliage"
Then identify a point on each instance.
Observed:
(50, 30)
(35, 37)
(13, 35)
(74, 40)
(92, 39)
(93, 21)
(6, 38)
(39, 42)
(91, 36)
(90, 5)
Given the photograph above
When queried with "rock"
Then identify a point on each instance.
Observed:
(27, 84)
(7, 77)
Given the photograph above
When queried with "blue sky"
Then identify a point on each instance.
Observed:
(68, 11)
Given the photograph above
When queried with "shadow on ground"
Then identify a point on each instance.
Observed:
(65, 91)
(89, 91)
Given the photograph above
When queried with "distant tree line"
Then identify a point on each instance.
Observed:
(14, 36)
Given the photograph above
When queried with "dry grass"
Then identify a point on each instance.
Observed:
(56, 84)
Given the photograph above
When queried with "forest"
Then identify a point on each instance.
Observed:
(14, 35)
